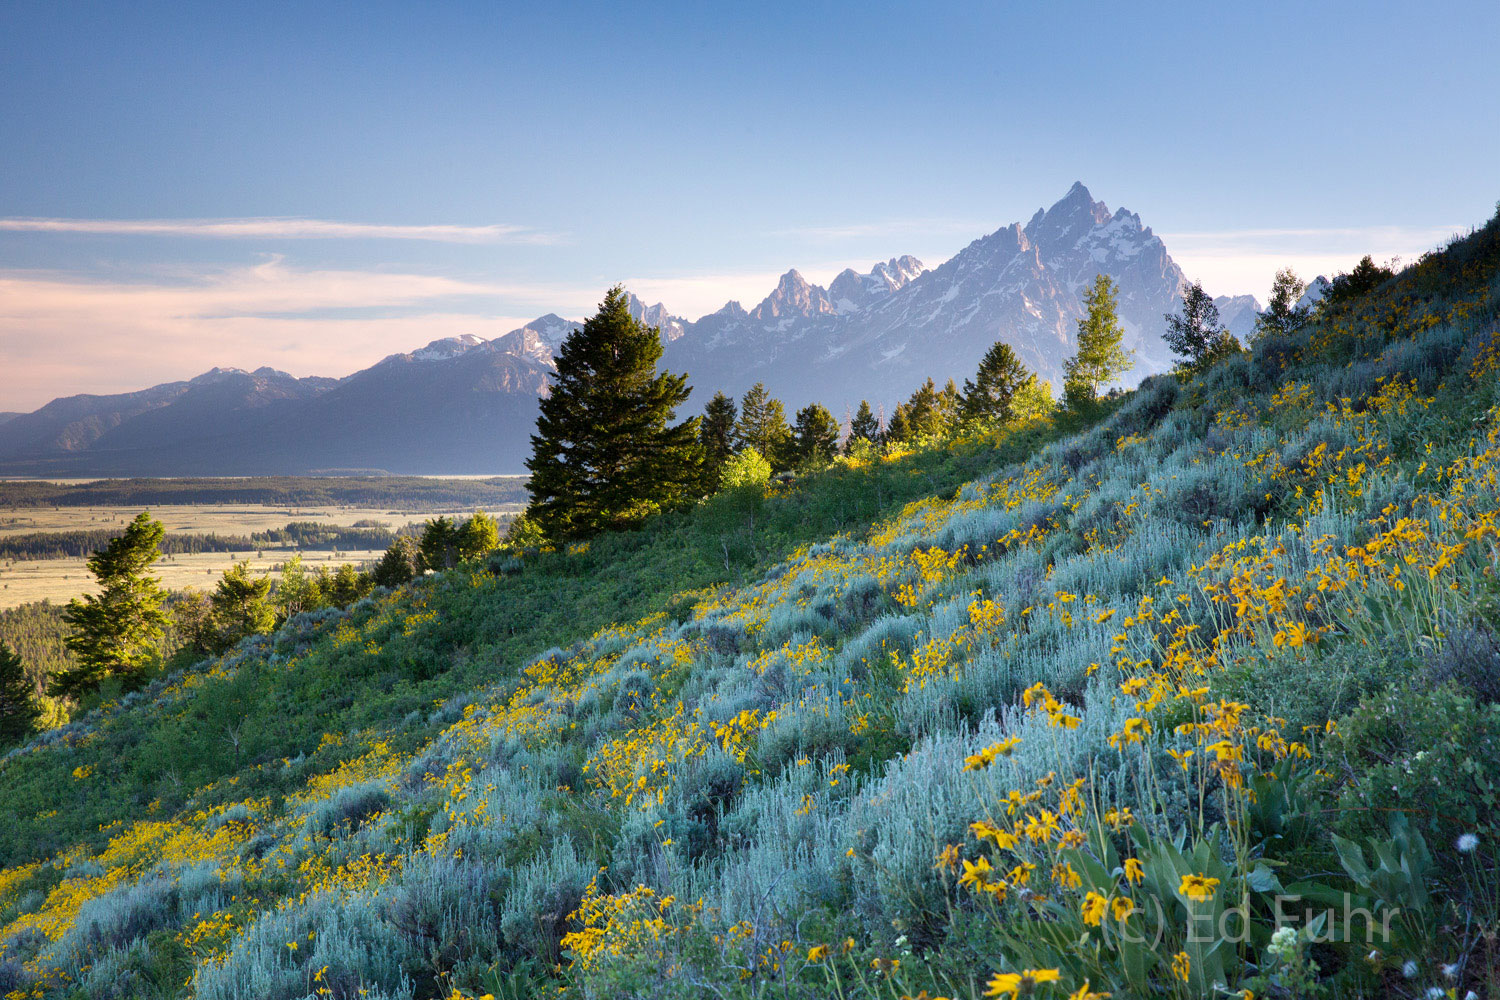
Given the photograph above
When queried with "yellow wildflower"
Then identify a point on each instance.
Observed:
(1017, 984)
(1198, 888)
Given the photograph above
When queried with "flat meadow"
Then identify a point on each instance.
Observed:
(60, 579)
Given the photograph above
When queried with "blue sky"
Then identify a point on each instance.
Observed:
(384, 174)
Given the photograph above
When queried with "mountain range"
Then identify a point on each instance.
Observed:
(465, 405)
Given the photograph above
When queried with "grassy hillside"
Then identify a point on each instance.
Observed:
(1053, 702)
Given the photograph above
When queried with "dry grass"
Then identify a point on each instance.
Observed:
(222, 519)
(59, 580)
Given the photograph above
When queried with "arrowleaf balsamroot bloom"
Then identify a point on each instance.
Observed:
(1198, 888)
(1093, 908)
(1019, 984)
(986, 757)
(985, 830)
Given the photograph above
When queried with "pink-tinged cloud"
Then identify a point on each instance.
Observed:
(280, 228)
(60, 335)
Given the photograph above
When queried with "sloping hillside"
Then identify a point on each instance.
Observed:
(1020, 736)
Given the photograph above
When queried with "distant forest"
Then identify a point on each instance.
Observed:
(397, 492)
(296, 535)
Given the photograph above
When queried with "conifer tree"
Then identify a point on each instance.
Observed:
(950, 404)
(1195, 334)
(1102, 356)
(119, 631)
(606, 453)
(925, 410)
(439, 544)
(864, 426)
(716, 435)
(762, 425)
(522, 533)
(241, 606)
(346, 585)
(19, 711)
(815, 438)
(991, 393)
(400, 564)
(898, 428)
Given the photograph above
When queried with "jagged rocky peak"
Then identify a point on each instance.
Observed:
(898, 271)
(793, 296)
(671, 327)
(852, 291)
(1073, 217)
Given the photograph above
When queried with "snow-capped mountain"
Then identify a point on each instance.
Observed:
(878, 335)
(1237, 314)
(1316, 289)
(851, 291)
(465, 404)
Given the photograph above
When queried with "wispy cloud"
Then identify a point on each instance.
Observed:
(889, 227)
(1357, 234)
(281, 228)
(1246, 260)
(69, 334)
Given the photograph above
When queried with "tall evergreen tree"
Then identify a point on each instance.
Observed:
(762, 425)
(400, 564)
(241, 606)
(716, 435)
(1102, 356)
(950, 404)
(898, 428)
(606, 453)
(345, 585)
(19, 711)
(1195, 334)
(815, 438)
(990, 395)
(1283, 315)
(119, 631)
(439, 544)
(864, 427)
(925, 411)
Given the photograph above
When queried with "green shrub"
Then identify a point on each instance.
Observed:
(1432, 754)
